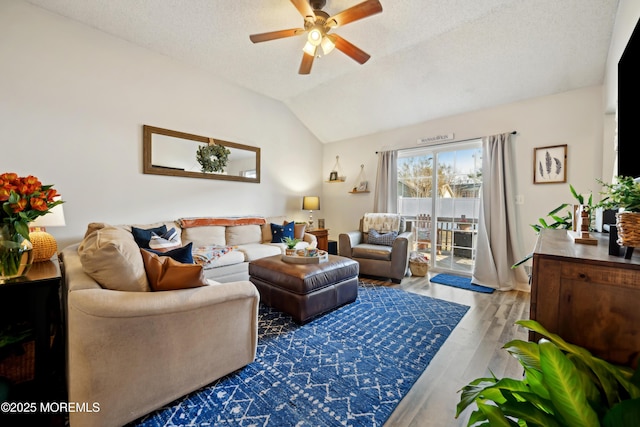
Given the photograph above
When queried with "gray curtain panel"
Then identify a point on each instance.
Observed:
(497, 248)
(386, 192)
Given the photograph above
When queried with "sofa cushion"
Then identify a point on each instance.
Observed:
(143, 236)
(223, 222)
(205, 235)
(255, 251)
(165, 242)
(182, 254)
(166, 274)
(385, 239)
(243, 234)
(112, 258)
(279, 232)
(368, 251)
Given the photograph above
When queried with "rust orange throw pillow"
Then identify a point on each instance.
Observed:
(166, 274)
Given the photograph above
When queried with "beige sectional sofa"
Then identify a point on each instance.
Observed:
(132, 350)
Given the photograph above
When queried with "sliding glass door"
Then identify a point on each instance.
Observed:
(439, 190)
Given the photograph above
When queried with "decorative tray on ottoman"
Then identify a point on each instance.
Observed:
(321, 256)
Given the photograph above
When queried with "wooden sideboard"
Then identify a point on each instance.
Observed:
(322, 235)
(587, 296)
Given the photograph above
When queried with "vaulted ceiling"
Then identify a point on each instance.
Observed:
(429, 58)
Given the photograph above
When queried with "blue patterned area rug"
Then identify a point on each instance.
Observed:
(459, 282)
(350, 367)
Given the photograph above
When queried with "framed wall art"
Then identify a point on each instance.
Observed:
(550, 164)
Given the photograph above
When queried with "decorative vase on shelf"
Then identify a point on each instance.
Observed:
(16, 254)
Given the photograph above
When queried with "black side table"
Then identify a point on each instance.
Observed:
(35, 298)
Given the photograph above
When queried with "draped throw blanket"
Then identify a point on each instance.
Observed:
(497, 241)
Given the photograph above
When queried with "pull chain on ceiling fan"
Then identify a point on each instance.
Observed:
(318, 24)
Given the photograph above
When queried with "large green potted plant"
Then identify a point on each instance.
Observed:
(556, 220)
(563, 385)
(624, 194)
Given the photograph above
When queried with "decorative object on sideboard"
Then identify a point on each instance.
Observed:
(624, 194)
(23, 200)
(321, 223)
(550, 164)
(44, 244)
(311, 203)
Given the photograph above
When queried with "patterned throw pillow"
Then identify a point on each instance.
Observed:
(142, 236)
(386, 239)
(279, 232)
(164, 242)
(205, 255)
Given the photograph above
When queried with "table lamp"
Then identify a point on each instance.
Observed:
(44, 244)
(310, 203)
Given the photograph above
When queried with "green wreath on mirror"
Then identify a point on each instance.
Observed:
(213, 157)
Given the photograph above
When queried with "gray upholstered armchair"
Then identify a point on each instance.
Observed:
(379, 254)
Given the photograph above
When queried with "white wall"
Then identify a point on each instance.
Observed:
(72, 104)
(574, 118)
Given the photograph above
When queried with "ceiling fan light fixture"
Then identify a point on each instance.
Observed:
(310, 49)
(327, 45)
(315, 36)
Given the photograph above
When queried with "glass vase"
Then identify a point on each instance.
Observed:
(16, 254)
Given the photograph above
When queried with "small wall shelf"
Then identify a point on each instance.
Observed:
(359, 192)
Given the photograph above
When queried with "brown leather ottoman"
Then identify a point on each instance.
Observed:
(305, 290)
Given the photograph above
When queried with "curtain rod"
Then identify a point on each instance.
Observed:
(444, 143)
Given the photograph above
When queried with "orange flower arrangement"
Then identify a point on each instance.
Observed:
(24, 199)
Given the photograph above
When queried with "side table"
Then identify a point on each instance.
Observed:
(35, 299)
(322, 235)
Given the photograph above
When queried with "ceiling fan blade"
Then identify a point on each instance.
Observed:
(305, 9)
(349, 49)
(359, 11)
(305, 65)
(273, 35)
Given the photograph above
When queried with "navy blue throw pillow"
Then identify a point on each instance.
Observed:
(183, 254)
(279, 232)
(142, 236)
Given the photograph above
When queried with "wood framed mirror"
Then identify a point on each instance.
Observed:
(169, 152)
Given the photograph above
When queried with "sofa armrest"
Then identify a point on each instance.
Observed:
(311, 239)
(163, 345)
(347, 241)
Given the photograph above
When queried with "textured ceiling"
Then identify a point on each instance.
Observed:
(429, 58)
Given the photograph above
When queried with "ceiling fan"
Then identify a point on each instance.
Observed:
(318, 24)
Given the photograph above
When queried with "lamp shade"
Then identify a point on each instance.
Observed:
(311, 203)
(55, 218)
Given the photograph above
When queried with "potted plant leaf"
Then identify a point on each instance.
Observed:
(291, 245)
(563, 385)
(624, 194)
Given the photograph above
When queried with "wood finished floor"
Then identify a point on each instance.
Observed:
(472, 350)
